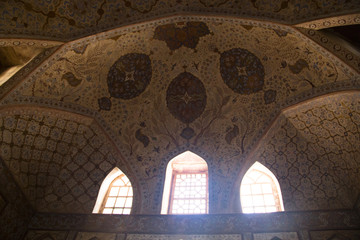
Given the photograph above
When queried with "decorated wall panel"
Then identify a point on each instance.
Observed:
(58, 159)
(314, 153)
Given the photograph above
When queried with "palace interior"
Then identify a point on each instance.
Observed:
(88, 88)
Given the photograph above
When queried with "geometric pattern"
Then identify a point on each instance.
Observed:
(58, 162)
(315, 155)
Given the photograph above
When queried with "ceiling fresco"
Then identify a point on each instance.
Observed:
(64, 20)
(134, 98)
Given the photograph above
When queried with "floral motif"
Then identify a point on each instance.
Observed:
(242, 71)
(129, 76)
(186, 97)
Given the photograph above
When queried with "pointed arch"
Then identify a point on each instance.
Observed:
(186, 185)
(260, 191)
(115, 194)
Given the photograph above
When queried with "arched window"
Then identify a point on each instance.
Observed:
(186, 185)
(115, 194)
(260, 191)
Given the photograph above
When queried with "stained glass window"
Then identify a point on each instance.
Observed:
(260, 191)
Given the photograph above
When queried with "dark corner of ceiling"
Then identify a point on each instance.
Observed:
(349, 33)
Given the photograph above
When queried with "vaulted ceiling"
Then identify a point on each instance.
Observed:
(233, 81)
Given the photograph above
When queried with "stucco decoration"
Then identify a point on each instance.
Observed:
(186, 97)
(312, 142)
(68, 20)
(129, 76)
(242, 71)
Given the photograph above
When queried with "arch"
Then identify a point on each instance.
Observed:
(115, 194)
(186, 185)
(260, 191)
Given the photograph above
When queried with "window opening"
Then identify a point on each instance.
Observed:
(115, 195)
(186, 185)
(260, 191)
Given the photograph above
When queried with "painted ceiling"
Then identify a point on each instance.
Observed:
(232, 90)
(65, 20)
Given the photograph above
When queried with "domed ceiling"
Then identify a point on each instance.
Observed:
(136, 96)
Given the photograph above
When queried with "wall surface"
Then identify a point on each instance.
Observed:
(15, 212)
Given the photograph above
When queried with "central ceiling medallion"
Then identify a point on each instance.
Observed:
(186, 97)
(129, 76)
(242, 71)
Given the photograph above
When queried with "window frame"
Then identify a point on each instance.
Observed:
(172, 189)
(103, 192)
(128, 185)
(184, 163)
(275, 187)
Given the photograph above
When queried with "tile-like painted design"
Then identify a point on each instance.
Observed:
(307, 149)
(59, 160)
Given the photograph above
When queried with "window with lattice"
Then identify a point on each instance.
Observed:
(115, 194)
(119, 197)
(260, 191)
(189, 193)
(186, 185)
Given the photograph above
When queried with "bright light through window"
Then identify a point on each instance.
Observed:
(186, 185)
(190, 194)
(119, 197)
(260, 191)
